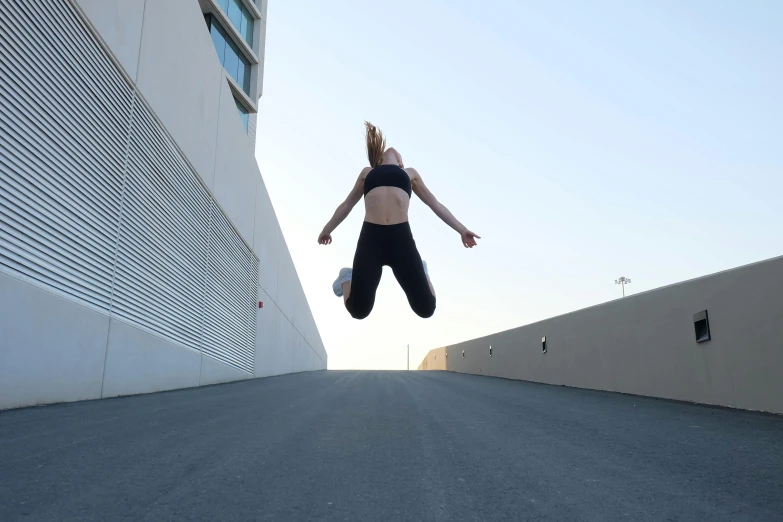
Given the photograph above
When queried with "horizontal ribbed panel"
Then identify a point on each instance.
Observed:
(230, 324)
(164, 237)
(98, 203)
(63, 124)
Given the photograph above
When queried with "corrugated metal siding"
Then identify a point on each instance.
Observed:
(229, 329)
(96, 201)
(164, 237)
(64, 113)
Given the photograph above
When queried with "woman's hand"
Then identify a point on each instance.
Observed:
(469, 238)
(324, 239)
(421, 190)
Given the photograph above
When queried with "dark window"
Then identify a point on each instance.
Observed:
(247, 28)
(229, 55)
(241, 18)
(231, 63)
(219, 39)
(234, 13)
(246, 86)
(243, 114)
(243, 76)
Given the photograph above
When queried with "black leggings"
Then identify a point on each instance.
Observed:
(391, 245)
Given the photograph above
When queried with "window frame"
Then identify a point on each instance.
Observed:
(244, 115)
(246, 18)
(238, 60)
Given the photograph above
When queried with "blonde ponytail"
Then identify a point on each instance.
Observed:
(376, 144)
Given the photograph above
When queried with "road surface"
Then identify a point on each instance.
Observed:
(367, 446)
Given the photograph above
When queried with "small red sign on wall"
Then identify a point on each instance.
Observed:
(260, 304)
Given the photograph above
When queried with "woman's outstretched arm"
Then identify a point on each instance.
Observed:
(344, 209)
(429, 199)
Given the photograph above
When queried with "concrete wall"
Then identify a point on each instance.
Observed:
(53, 348)
(645, 344)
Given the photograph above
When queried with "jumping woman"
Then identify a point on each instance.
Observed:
(386, 237)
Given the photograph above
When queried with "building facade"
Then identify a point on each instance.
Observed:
(139, 248)
(238, 30)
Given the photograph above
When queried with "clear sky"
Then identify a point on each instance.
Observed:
(582, 140)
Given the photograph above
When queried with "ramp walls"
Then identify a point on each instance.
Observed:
(646, 344)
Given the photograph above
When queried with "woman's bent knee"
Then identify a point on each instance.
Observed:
(357, 312)
(426, 311)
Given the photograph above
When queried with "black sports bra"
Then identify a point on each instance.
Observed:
(387, 176)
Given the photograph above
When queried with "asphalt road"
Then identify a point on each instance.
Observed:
(389, 446)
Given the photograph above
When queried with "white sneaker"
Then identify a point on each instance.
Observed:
(343, 277)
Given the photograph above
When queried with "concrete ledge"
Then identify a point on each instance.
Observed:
(51, 348)
(140, 362)
(215, 372)
(646, 344)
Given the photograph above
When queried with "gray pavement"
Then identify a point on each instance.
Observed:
(389, 446)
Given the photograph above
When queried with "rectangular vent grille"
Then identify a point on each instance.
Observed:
(230, 325)
(98, 204)
(64, 113)
(164, 238)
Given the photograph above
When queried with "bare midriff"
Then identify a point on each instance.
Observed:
(386, 206)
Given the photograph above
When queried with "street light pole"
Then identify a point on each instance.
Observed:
(622, 281)
(409, 357)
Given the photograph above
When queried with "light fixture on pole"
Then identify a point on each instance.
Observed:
(622, 281)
